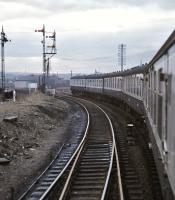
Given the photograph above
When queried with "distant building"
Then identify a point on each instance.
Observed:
(23, 88)
(21, 84)
(32, 86)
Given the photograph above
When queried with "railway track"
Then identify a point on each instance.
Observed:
(139, 177)
(90, 174)
(83, 171)
(57, 169)
(99, 166)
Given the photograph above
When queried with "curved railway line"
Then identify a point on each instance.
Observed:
(96, 166)
(138, 170)
(82, 171)
(57, 169)
(92, 168)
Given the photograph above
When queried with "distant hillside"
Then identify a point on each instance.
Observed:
(35, 77)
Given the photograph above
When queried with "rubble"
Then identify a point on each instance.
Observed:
(4, 161)
(12, 118)
(24, 132)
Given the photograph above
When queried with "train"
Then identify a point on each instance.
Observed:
(148, 89)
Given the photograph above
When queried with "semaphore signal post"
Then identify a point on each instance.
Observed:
(3, 41)
(49, 50)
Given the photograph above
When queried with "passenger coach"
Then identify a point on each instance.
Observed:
(149, 90)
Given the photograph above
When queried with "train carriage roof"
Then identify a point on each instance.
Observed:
(164, 48)
(134, 70)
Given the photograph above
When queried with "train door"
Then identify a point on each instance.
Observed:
(164, 87)
(168, 103)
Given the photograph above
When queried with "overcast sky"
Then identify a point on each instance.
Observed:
(88, 32)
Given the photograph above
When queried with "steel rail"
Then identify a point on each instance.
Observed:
(25, 193)
(72, 157)
(114, 151)
(70, 173)
(117, 161)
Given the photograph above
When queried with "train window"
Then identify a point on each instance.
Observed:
(130, 84)
(149, 83)
(134, 84)
(160, 82)
(155, 108)
(155, 80)
(169, 87)
(159, 115)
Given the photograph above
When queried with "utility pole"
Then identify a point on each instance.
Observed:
(48, 53)
(122, 55)
(44, 58)
(3, 41)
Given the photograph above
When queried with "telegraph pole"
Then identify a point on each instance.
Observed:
(122, 55)
(3, 41)
(44, 58)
